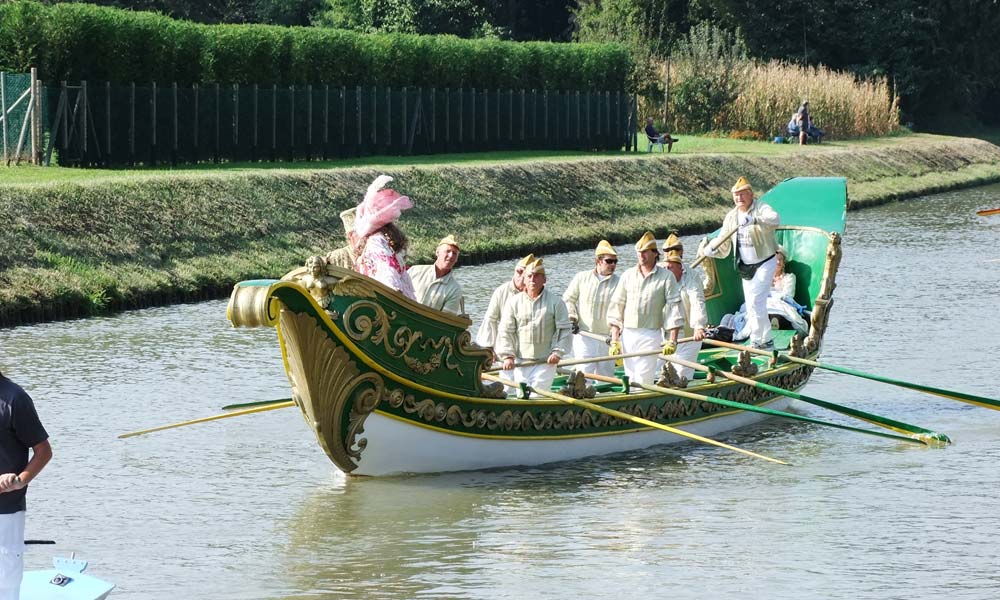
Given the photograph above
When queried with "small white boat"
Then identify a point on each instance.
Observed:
(66, 581)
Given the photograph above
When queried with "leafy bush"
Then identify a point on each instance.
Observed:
(70, 41)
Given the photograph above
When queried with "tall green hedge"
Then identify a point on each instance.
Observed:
(74, 42)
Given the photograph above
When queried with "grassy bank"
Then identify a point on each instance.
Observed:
(117, 240)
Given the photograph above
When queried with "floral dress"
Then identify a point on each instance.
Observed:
(379, 262)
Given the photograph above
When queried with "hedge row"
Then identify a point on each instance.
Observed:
(72, 42)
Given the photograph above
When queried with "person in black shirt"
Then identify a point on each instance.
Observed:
(655, 137)
(20, 430)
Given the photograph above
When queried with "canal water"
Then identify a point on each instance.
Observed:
(251, 508)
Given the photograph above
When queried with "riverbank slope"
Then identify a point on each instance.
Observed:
(79, 248)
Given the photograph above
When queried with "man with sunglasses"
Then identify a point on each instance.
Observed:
(587, 299)
(646, 305)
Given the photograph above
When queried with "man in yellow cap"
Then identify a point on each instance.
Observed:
(754, 224)
(487, 335)
(692, 283)
(535, 326)
(344, 256)
(434, 285)
(587, 299)
(646, 304)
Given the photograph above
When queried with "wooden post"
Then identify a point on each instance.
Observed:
(510, 115)
(461, 113)
(472, 134)
(36, 118)
(217, 140)
(343, 115)
(291, 122)
(545, 104)
(173, 150)
(499, 114)
(388, 115)
(3, 112)
(236, 120)
(131, 122)
(447, 117)
(107, 119)
(274, 121)
(433, 126)
(256, 125)
(309, 121)
(195, 91)
(326, 120)
(403, 93)
(357, 110)
(522, 115)
(84, 109)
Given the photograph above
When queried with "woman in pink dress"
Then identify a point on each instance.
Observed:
(381, 246)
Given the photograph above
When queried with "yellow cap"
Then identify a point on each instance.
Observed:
(646, 242)
(673, 243)
(347, 218)
(450, 240)
(741, 184)
(674, 256)
(526, 260)
(605, 248)
(535, 266)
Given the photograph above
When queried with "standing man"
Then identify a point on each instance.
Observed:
(754, 223)
(344, 257)
(587, 299)
(434, 284)
(20, 430)
(692, 282)
(535, 326)
(487, 335)
(646, 304)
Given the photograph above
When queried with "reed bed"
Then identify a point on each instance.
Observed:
(765, 95)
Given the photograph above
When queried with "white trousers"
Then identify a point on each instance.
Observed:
(689, 352)
(11, 555)
(642, 369)
(585, 347)
(537, 376)
(755, 293)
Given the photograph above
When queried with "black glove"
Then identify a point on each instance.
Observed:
(574, 327)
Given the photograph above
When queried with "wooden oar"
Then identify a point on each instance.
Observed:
(987, 212)
(253, 404)
(921, 435)
(639, 420)
(746, 407)
(701, 258)
(207, 419)
(953, 395)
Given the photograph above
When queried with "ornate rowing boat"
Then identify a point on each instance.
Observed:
(389, 386)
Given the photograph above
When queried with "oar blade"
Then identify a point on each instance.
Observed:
(988, 211)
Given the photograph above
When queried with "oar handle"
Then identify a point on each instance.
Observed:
(702, 258)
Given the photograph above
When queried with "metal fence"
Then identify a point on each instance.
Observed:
(18, 133)
(105, 124)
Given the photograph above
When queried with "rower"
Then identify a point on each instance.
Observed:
(587, 299)
(534, 327)
(692, 282)
(646, 304)
(435, 285)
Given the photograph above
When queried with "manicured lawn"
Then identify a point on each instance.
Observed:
(688, 145)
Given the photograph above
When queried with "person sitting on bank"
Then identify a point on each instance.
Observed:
(656, 137)
(801, 125)
(434, 284)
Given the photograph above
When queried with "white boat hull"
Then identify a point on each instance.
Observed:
(397, 447)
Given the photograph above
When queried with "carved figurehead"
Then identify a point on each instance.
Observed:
(316, 281)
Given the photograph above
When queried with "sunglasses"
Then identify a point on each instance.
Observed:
(611, 261)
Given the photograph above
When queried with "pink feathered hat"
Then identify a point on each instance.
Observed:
(379, 207)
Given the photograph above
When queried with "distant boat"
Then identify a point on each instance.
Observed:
(390, 386)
